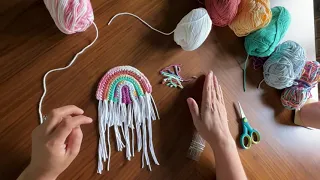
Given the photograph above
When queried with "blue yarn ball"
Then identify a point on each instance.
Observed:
(284, 65)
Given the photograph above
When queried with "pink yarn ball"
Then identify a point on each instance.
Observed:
(222, 12)
(71, 16)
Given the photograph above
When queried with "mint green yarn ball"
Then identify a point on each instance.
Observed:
(263, 42)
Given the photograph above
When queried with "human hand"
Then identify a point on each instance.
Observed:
(56, 143)
(211, 122)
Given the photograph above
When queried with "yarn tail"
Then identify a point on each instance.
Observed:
(122, 117)
(60, 69)
(245, 74)
(144, 22)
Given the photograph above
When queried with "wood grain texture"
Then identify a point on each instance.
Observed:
(30, 45)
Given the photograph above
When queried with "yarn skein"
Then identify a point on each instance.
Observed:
(252, 15)
(222, 12)
(262, 42)
(284, 65)
(296, 96)
(70, 16)
(190, 32)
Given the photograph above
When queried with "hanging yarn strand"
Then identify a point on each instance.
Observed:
(144, 22)
(190, 32)
(60, 69)
(245, 74)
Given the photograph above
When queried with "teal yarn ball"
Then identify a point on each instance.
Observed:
(285, 65)
(262, 42)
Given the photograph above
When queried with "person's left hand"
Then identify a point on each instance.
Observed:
(56, 143)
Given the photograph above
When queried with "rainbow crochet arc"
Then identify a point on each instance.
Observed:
(126, 105)
(123, 83)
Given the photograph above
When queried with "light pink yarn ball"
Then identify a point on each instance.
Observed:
(71, 16)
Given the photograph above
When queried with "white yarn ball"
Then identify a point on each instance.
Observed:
(193, 29)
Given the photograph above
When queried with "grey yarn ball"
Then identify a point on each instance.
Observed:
(284, 65)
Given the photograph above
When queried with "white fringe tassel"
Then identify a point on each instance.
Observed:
(139, 116)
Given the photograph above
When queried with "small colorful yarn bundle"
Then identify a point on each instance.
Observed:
(284, 65)
(191, 31)
(252, 15)
(173, 78)
(263, 42)
(296, 96)
(125, 102)
(222, 12)
(70, 16)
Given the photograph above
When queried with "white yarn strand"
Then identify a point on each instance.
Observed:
(60, 69)
(144, 22)
(190, 32)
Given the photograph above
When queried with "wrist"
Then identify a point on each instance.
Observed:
(36, 174)
(223, 143)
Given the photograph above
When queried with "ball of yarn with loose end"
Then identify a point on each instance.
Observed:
(284, 65)
(252, 15)
(71, 16)
(222, 12)
(193, 29)
(295, 97)
(262, 42)
(190, 32)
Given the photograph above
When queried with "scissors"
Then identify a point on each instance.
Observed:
(249, 135)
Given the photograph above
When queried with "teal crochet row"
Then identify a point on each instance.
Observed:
(115, 83)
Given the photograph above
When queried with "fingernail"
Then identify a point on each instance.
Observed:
(189, 101)
(210, 74)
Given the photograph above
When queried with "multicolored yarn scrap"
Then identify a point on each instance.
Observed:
(173, 78)
(125, 102)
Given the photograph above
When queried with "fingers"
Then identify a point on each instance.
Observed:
(216, 88)
(207, 89)
(58, 114)
(194, 110)
(67, 125)
(221, 95)
(74, 141)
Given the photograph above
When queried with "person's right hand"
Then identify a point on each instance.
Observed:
(211, 122)
(56, 143)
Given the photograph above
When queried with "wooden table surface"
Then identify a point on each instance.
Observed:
(30, 45)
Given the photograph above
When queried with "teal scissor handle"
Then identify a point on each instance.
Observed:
(249, 135)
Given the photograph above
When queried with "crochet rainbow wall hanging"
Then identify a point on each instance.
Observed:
(125, 103)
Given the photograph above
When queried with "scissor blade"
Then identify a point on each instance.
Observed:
(241, 111)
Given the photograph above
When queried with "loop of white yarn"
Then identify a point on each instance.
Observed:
(60, 69)
(191, 31)
(71, 16)
(144, 22)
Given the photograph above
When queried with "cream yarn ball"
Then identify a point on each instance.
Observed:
(193, 29)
